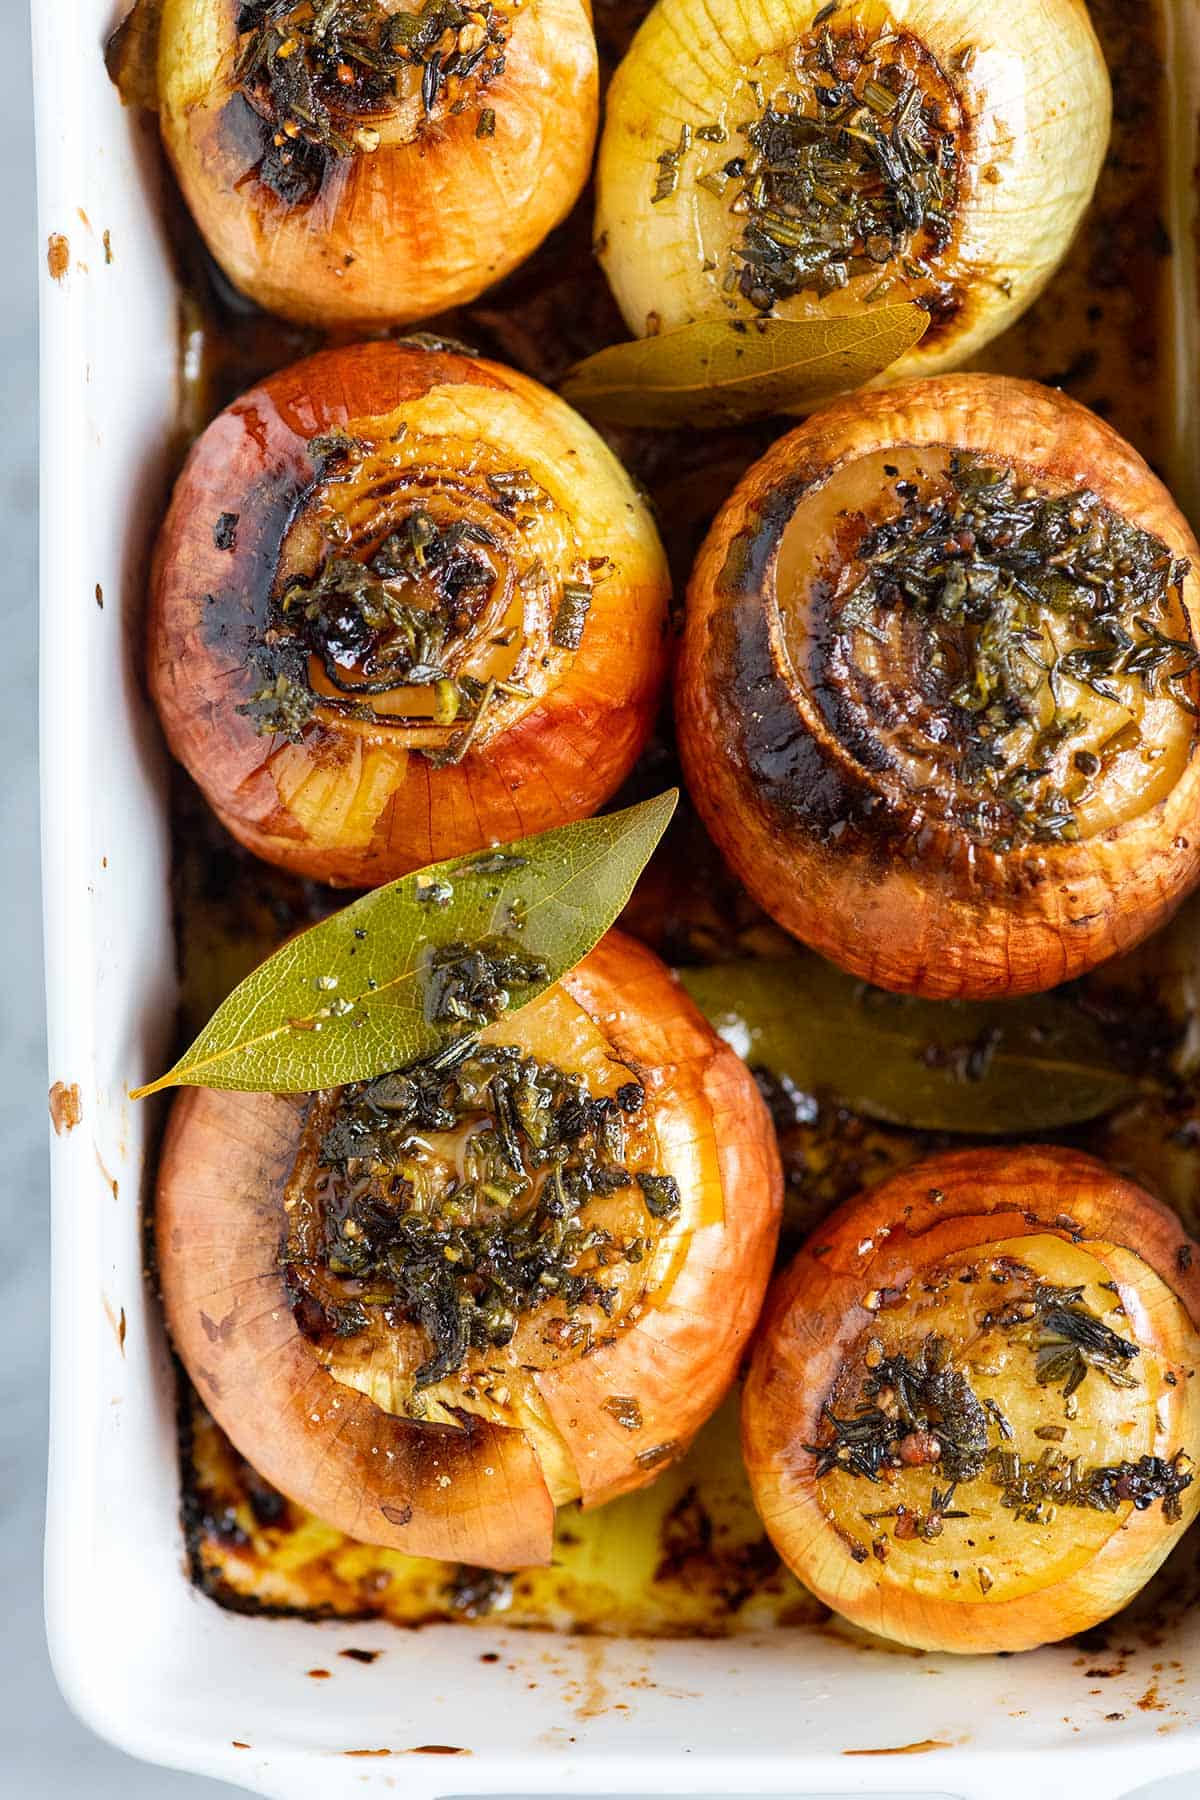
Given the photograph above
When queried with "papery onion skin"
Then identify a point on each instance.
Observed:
(480, 1494)
(847, 857)
(1031, 111)
(891, 1236)
(422, 223)
(355, 801)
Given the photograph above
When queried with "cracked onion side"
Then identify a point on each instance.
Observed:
(937, 700)
(431, 1340)
(972, 1415)
(405, 603)
(377, 161)
(792, 160)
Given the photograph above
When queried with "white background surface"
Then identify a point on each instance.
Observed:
(43, 1751)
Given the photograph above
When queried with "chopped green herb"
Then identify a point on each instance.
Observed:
(471, 984)
(988, 568)
(661, 1194)
(467, 1247)
(281, 707)
(1031, 1489)
(319, 71)
(571, 617)
(928, 1399)
(1068, 1338)
(842, 179)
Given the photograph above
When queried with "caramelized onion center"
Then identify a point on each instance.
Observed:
(1012, 657)
(844, 176)
(995, 1423)
(427, 586)
(455, 1228)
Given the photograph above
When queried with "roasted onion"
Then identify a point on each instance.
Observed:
(405, 603)
(971, 1414)
(937, 700)
(372, 162)
(434, 1307)
(790, 161)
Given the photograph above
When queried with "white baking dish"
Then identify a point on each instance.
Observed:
(141, 1656)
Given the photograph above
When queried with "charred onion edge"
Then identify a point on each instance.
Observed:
(559, 759)
(815, 1314)
(476, 1495)
(902, 901)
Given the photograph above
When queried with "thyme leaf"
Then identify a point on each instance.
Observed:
(913, 1410)
(1032, 1489)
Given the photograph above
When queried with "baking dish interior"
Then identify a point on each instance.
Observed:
(145, 1659)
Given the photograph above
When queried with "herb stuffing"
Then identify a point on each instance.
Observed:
(319, 72)
(407, 613)
(466, 1245)
(1069, 1339)
(1033, 1487)
(855, 175)
(915, 1410)
(398, 619)
(985, 571)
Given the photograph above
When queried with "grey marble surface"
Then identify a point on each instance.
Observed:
(45, 1754)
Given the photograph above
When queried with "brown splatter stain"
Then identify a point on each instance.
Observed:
(117, 1320)
(593, 1698)
(66, 1106)
(83, 218)
(58, 255)
(110, 1181)
(366, 1753)
(100, 596)
(238, 1744)
(437, 1750)
(361, 1656)
(1151, 1700)
(106, 240)
(918, 1749)
(318, 1674)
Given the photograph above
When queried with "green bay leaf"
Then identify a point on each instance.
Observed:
(985, 1067)
(344, 1000)
(723, 371)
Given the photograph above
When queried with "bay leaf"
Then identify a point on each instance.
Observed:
(723, 371)
(344, 1000)
(984, 1067)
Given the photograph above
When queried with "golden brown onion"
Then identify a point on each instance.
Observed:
(405, 604)
(782, 159)
(937, 697)
(376, 161)
(331, 1297)
(971, 1414)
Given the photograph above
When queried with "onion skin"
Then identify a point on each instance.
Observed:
(425, 222)
(883, 1239)
(354, 803)
(1025, 95)
(219, 1228)
(845, 858)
